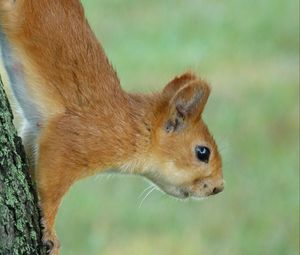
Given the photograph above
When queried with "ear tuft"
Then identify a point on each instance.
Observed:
(178, 82)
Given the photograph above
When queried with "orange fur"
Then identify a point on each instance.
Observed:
(89, 124)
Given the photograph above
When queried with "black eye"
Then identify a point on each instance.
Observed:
(202, 153)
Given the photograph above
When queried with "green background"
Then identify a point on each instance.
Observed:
(249, 51)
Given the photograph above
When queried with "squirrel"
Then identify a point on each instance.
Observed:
(78, 121)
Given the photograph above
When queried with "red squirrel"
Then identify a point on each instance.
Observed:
(78, 121)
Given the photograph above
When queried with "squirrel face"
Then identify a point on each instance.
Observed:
(187, 161)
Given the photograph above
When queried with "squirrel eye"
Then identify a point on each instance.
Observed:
(202, 153)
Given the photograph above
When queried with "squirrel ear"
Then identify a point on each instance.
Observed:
(187, 103)
(173, 86)
(190, 100)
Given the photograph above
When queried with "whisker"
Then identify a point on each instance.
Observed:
(146, 189)
(99, 178)
(149, 192)
(108, 176)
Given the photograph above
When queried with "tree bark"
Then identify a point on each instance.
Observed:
(20, 227)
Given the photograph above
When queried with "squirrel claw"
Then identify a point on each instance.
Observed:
(51, 244)
(48, 244)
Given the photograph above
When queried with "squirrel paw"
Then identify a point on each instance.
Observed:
(51, 243)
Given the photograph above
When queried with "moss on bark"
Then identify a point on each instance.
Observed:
(20, 229)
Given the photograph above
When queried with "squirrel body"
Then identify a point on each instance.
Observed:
(78, 121)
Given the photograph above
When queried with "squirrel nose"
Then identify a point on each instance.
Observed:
(217, 190)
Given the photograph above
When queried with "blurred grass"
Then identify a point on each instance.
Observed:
(249, 51)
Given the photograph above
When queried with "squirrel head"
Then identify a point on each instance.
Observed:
(186, 161)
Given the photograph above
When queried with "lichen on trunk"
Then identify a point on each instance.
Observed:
(20, 228)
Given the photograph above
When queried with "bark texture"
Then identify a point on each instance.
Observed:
(20, 229)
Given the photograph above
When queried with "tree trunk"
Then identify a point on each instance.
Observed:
(20, 228)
